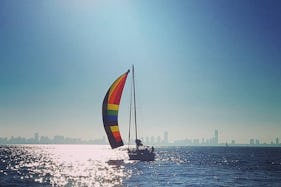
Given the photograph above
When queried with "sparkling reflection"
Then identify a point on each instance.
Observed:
(60, 165)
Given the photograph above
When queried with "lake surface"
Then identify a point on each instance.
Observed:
(96, 165)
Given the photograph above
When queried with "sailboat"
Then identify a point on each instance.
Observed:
(110, 109)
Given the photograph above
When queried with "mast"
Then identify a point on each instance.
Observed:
(130, 118)
(134, 94)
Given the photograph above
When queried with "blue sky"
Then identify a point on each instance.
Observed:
(200, 66)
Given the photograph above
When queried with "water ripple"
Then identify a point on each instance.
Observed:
(60, 165)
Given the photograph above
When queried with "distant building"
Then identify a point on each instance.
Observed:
(203, 140)
(257, 142)
(196, 141)
(3, 140)
(45, 140)
(216, 138)
(252, 141)
(36, 137)
(277, 141)
(58, 139)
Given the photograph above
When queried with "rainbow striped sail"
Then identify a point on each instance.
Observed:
(110, 108)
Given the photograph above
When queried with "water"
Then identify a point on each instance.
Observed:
(93, 165)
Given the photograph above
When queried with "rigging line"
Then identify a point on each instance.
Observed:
(135, 102)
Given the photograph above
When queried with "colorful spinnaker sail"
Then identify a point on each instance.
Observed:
(110, 108)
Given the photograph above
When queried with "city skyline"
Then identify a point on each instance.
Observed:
(155, 141)
(199, 66)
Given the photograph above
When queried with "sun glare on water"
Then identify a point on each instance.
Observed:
(71, 165)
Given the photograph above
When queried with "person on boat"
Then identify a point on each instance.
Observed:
(138, 142)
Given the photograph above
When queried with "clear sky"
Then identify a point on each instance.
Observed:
(200, 66)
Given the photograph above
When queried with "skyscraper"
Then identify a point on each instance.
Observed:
(257, 142)
(36, 137)
(252, 141)
(216, 138)
(277, 140)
